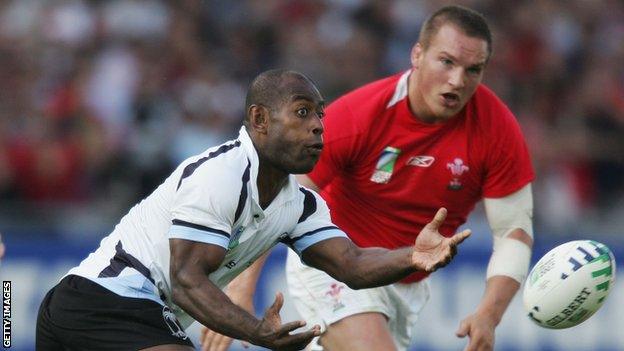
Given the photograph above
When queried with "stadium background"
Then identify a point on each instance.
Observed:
(100, 99)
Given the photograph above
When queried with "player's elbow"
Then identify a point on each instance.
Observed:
(181, 283)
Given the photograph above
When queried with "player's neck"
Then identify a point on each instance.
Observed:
(270, 181)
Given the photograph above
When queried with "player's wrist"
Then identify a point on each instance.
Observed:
(257, 337)
(489, 315)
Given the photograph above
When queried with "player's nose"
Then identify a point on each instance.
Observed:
(317, 125)
(456, 78)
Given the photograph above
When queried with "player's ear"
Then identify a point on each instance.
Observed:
(258, 116)
(417, 51)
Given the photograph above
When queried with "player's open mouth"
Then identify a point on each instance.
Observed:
(315, 149)
(450, 99)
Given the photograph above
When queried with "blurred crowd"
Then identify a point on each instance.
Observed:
(100, 100)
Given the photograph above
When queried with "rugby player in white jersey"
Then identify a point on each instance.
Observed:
(167, 261)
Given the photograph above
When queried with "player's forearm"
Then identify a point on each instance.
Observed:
(372, 267)
(206, 303)
(499, 292)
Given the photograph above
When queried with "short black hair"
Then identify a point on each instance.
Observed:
(271, 88)
(469, 21)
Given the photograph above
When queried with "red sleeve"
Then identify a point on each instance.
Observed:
(341, 142)
(508, 164)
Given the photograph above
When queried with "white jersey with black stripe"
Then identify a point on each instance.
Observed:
(210, 198)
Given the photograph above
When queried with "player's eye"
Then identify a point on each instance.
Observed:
(446, 61)
(320, 114)
(474, 70)
(303, 112)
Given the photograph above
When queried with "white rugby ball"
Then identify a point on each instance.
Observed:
(569, 284)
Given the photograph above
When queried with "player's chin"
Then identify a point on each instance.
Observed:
(445, 114)
(305, 165)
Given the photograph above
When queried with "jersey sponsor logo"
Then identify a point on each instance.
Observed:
(236, 233)
(421, 161)
(457, 168)
(385, 165)
(173, 324)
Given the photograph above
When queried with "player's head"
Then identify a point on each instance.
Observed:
(284, 110)
(454, 46)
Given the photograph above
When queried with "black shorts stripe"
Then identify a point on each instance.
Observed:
(242, 199)
(200, 227)
(309, 205)
(190, 168)
(121, 260)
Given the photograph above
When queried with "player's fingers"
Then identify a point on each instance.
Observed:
(462, 331)
(300, 340)
(216, 342)
(438, 219)
(277, 304)
(460, 237)
(474, 345)
(288, 327)
(208, 340)
(222, 343)
(203, 333)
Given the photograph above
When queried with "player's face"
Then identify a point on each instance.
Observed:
(446, 74)
(294, 140)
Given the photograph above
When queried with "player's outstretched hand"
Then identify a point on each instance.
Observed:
(272, 334)
(432, 250)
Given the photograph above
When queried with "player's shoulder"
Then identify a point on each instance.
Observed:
(486, 96)
(310, 199)
(224, 164)
(488, 107)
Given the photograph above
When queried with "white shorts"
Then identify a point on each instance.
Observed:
(321, 299)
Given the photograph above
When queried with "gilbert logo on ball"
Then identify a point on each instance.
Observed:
(569, 284)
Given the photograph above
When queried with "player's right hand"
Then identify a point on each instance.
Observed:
(272, 334)
(432, 250)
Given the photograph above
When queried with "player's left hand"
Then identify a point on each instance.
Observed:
(432, 250)
(480, 330)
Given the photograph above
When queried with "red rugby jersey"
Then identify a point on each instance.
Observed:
(384, 174)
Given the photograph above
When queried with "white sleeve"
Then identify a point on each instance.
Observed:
(205, 205)
(314, 224)
(510, 257)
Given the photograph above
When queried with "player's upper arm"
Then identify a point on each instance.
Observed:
(314, 224)
(331, 256)
(191, 258)
(507, 160)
